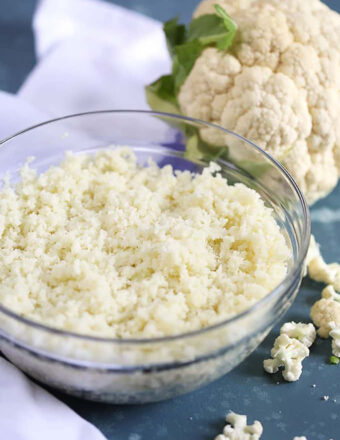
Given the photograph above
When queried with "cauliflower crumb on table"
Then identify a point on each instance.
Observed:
(237, 429)
(319, 270)
(325, 313)
(290, 348)
(335, 335)
(305, 333)
(330, 293)
(288, 353)
(100, 245)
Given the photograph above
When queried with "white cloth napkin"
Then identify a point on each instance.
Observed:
(91, 56)
(29, 412)
(94, 56)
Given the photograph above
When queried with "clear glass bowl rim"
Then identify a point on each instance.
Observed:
(289, 278)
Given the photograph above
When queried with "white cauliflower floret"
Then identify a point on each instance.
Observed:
(279, 85)
(288, 353)
(335, 334)
(305, 333)
(323, 313)
(313, 250)
(327, 310)
(237, 428)
(330, 293)
(290, 348)
(320, 271)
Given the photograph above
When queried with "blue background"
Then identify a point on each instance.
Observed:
(16, 37)
(284, 409)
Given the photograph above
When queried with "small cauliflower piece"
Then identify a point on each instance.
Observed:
(290, 348)
(335, 334)
(319, 270)
(327, 310)
(237, 428)
(313, 250)
(323, 313)
(288, 353)
(305, 333)
(330, 293)
(300, 438)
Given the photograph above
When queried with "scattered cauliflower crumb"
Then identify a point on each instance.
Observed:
(290, 348)
(237, 428)
(313, 251)
(330, 293)
(101, 245)
(288, 353)
(319, 270)
(325, 398)
(323, 313)
(305, 333)
(326, 310)
(335, 334)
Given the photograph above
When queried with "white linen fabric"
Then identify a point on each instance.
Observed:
(91, 56)
(27, 412)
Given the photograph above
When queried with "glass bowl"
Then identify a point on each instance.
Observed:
(147, 370)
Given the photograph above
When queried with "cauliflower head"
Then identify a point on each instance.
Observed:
(325, 313)
(278, 85)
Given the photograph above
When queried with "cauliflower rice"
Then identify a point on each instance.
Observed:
(101, 245)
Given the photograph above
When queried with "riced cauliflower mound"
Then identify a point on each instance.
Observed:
(100, 245)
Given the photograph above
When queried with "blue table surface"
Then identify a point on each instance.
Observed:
(285, 409)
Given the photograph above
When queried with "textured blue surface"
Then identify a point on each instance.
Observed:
(16, 42)
(284, 409)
